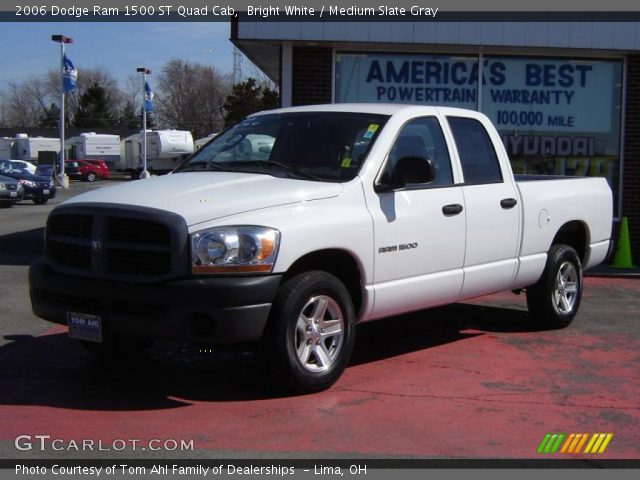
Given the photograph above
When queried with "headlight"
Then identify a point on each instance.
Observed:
(3, 186)
(238, 249)
(27, 183)
(51, 184)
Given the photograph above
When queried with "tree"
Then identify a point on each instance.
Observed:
(270, 98)
(247, 98)
(191, 96)
(94, 109)
(25, 102)
(50, 117)
(151, 120)
(128, 117)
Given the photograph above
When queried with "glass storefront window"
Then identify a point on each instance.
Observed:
(558, 116)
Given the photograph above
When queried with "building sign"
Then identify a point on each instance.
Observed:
(417, 79)
(544, 95)
(556, 116)
(530, 94)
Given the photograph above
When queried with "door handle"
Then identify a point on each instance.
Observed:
(451, 210)
(508, 203)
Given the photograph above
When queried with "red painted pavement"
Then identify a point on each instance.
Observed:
(475, 380)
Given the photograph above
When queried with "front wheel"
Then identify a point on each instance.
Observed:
(91, 177)
(40, 201)
(555, 299)
(311, 332)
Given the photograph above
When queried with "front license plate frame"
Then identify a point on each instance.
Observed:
(84, 326)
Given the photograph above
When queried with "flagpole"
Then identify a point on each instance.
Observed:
(62, 39)
(145, 72)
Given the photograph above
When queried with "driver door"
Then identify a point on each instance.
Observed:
(419, 229)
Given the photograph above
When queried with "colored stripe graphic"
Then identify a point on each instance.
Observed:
(574, 443)
(550, 443)
(598, 442)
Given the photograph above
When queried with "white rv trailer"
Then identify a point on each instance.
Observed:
(200, 142)
(6, 147)
(95, 146)
(23, 147)
(165, 149)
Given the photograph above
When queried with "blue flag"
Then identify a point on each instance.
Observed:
(69, 75)
(148, 97)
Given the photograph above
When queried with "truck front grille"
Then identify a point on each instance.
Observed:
(78, 226)
(137, 262)
(113, 243)
(78, 256)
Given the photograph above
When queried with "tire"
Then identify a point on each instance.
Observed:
(555, 299)
(91, 177)
(6, 204)
(40, 201)
(301, 353)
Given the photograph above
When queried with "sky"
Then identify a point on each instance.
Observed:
(26, 49)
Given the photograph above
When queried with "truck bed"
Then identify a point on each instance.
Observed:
(548, 202)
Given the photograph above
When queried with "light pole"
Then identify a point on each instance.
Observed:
(144, 71)
(62, 40)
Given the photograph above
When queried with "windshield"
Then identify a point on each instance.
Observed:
(321, 146)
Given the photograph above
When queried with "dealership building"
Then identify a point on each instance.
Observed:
(564, 95)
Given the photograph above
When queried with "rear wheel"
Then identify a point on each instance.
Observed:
(311, 332)
(554, 300)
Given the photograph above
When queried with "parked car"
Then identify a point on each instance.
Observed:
(355, 212)
(45, 171)
(11, 191)
(85, 170)
(100, 163)
(37, 188)
(24, 165)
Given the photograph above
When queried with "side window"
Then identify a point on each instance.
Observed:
(422, 137)
(477, 155)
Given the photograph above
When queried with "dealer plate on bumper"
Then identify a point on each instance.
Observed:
(83, 326)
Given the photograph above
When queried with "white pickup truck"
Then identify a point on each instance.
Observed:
(348, 213)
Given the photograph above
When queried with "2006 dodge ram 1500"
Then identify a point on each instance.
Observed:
(294, 225)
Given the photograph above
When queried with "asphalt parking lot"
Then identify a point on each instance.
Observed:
(471, 380)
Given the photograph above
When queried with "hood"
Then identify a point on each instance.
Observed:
(7, 180)
(203, 196)
(28, 176)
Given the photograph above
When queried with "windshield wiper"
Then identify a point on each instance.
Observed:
(290, 168)
(200, 167)
(235, 165)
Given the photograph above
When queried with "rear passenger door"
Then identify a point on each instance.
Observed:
(493, 215)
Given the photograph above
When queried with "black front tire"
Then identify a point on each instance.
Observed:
(311, 332)
(40, 201)
(555, 299)
(91, 177)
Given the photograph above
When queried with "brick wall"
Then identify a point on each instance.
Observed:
(631, 181)
(311, 82)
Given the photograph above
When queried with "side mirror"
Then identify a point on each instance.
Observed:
(407, 170)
